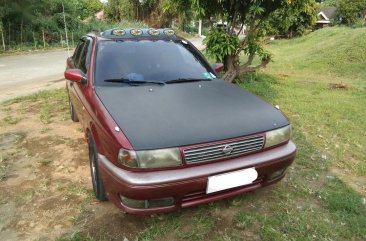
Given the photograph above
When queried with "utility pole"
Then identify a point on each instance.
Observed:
(67, 40)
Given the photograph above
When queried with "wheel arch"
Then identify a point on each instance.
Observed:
(93, 132)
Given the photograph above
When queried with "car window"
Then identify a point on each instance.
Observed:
(157, 60)
(84, 57)
(77, 52)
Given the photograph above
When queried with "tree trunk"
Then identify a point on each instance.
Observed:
(72, 39)
(2, 37)
(181, 21)
(233, 70)
(34, 39)
(9, 33)
(210, 23)
(44, 41)
(21, 35)
(62, 42)
(230, 62)
(67, 39)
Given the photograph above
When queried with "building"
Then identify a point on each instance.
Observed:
(326, 16)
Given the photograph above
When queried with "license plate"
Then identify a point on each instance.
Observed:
(230, 180)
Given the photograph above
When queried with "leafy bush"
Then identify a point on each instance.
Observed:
(220, 44)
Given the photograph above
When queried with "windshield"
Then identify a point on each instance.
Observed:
(147, 60)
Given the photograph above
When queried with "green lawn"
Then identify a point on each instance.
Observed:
(333, 120)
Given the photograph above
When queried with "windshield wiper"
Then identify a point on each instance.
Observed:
(134, 82)
(182, 80)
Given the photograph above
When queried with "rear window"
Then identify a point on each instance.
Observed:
(157, 60)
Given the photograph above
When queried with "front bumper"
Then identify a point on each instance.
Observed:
(188, 185)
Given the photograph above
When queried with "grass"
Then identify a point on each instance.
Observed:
(44, 161)
(76, 236)
(332, 54)
(3, 169)
(12, 120)
(45, 103)
(72, 188)
(332, 119)
(320, 198)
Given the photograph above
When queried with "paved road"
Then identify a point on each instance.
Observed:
(27, 73)
(197, 42)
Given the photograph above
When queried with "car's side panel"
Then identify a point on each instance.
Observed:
(95, 117)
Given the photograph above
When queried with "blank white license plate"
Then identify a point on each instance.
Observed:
(231, 180)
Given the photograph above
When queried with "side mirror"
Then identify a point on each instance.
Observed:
(75, 75)
(218, 67)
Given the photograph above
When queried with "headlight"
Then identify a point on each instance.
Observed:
(150, 159)
(278, 136)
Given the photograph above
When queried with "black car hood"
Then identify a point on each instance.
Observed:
(171, 115)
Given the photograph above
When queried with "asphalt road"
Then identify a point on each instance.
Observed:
(23, 74)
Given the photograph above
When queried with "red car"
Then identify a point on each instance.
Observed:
(164, 131)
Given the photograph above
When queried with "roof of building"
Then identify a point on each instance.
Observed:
(328, 12)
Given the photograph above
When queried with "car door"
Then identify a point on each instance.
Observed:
(77, 90)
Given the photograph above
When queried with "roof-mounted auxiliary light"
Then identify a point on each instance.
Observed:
(169, 32)
(153, 32)
(119, 32)
(136, 32)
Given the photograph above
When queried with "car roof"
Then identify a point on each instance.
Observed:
(135, 33)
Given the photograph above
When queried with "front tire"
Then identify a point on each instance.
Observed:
(97, 181)
(73, 114)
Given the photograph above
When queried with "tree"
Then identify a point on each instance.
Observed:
(117, 10)
(294, 19)
(351, 11)
(90, 7)
(179, 8)
(226, 45)
(4, 9)
(24, 20)
(328, 3)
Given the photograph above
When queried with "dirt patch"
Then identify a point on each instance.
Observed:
(119, 225)
(9, 139)
(338, 86)
(44, 176)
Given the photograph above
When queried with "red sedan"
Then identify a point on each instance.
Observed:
(164, 131)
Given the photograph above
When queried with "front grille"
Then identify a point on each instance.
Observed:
(216, 151)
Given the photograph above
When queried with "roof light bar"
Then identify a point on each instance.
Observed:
(119, 32)
(169, 32)
(136, 32)
(153, 32)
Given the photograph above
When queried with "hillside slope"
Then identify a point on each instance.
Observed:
(336, 52)
(302, 81)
